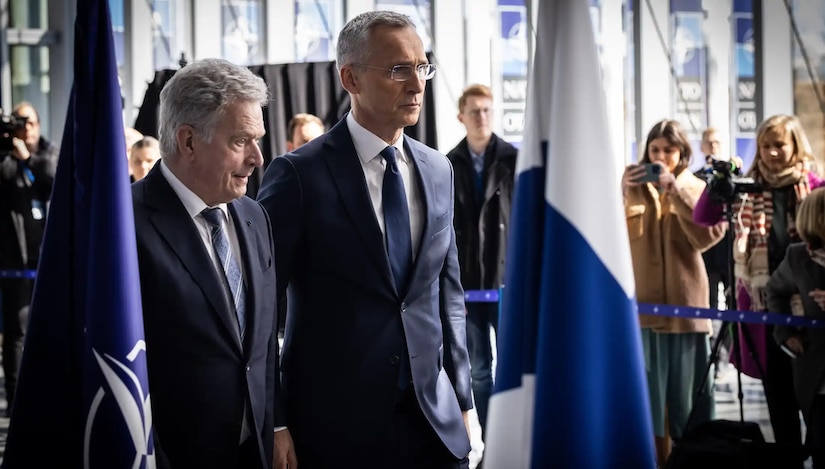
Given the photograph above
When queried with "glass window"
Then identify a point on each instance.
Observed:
(629, 83)
(30, 80)
(118, 29)
(29, 14)
(317, 23)
(421, 13)
(243, 31)
(810, 20)
(163, 34)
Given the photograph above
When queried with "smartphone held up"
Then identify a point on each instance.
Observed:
(651, 174)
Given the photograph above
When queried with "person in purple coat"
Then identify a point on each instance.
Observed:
(764, 227)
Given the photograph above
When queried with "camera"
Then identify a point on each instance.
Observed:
(10, 125)
(725, 182)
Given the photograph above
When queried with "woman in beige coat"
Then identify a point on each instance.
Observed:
(666, 247)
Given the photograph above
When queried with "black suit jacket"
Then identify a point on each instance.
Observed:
(200, 374)
(799, 274)
(481, 223)
(347, 326)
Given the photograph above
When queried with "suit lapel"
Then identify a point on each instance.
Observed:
(427, 186)
(243, 228)
(348, 177)
(174, 225)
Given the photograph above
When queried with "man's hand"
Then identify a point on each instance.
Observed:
(20, 150)
(819, 297)
(283, 456)
(466, 416)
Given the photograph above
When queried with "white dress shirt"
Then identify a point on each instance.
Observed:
(194, 206)
(369, 146)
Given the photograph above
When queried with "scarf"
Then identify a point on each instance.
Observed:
(752, 226)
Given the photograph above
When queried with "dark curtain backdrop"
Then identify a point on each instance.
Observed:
(300, 87)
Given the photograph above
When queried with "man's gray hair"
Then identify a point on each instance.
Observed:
(198, 95)
(354, 41)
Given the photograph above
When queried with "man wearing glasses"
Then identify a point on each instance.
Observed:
(484, 166)
(375, 367)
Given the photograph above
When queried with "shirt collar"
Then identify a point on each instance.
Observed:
(193, 204)
(368, 145)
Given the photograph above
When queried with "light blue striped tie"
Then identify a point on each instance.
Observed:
(220, 241)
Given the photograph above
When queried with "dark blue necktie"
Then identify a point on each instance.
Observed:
(232, 272)
(396, 221)
(399, 240)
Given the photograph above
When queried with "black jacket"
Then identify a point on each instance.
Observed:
(25, 190)
(481, 228)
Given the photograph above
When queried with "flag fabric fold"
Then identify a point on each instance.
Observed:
(83, 397)
(570, 388)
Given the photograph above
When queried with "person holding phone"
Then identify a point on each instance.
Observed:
(801, 274)
(666, 247)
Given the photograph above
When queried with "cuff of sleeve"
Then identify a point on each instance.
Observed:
(278, 429)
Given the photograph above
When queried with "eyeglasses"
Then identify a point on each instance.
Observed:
(407, 72)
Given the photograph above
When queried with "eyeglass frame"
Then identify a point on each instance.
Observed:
(395, 68)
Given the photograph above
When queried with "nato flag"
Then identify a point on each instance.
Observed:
(570, 388)
(82, 399)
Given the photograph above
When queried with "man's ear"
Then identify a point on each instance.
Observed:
(185, 138)
(349, 79)
(460, 117)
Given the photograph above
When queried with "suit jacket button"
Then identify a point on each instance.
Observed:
(403, 306)
(248, 367)
(394, 360)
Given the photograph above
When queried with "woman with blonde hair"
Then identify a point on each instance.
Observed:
(764, 227)
(666, 248)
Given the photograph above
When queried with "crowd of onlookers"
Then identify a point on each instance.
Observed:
(776, 249)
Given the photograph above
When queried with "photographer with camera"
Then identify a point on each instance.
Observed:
(666, 248)
(27, 168)
(764, 211)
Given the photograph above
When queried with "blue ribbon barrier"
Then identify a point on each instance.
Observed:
(481, 296)
(492, 296)
(9, 273)
(751, 317)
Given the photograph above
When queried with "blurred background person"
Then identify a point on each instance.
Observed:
(143, 155)
(27, 166)
(765, 227)
(802, 273)
(132, 136)
(301, 129)
(666, 246)
(717, 258)
(483, 168)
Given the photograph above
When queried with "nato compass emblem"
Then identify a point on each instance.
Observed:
(119, 417)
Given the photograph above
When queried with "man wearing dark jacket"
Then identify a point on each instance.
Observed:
(484, 167)
(27, 166)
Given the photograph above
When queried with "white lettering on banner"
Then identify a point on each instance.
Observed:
(746, 120)
(690, 91)
(513, 122)
(514, 90)
(747, 90)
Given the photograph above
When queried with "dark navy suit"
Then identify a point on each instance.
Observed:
(200, 373)
(347, 325)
